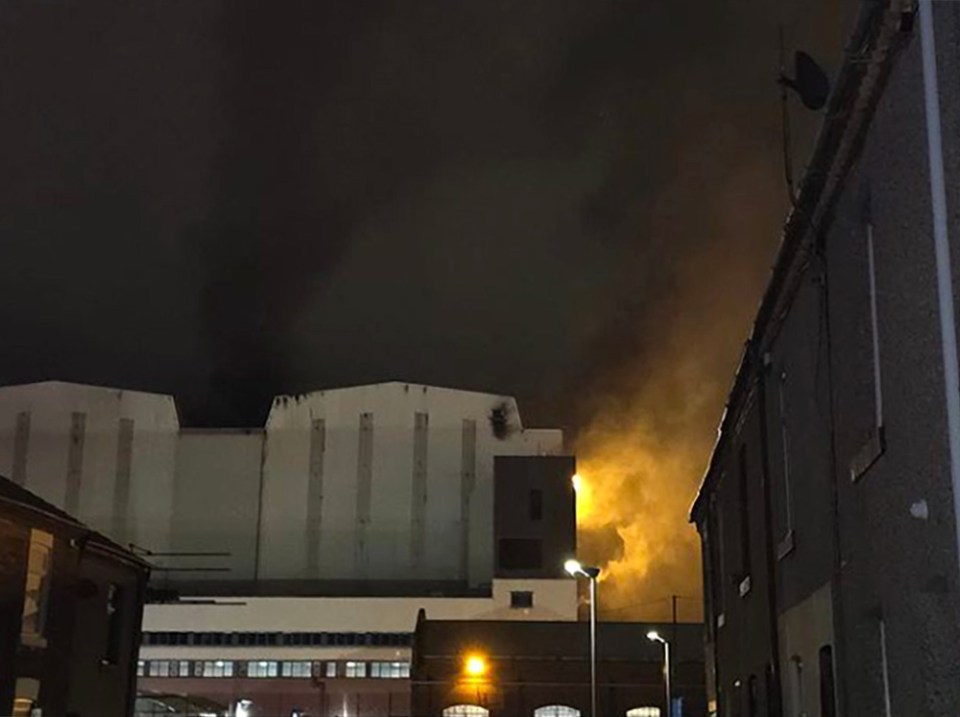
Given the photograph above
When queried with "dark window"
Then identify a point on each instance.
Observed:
(828, 697)
(536, 505)
(520, 554)
(773, 693)
(521, 598)
(752, 697)
(744, 514)
(114, 624)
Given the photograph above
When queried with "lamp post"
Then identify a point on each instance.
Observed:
(654, 636)
(577, 570)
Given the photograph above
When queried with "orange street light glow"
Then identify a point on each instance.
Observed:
(475, 666)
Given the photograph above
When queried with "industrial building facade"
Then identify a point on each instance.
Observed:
(828, 514)
(291, 561)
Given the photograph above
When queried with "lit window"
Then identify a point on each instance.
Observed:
(36, 589)
(295, 669)
(217, 668)
(356, 669)
(644, 712)
(331, 669)
(390, 670)
(466, 711)
(556, 711)
(141, 668)
(262, 668)
(159, 668)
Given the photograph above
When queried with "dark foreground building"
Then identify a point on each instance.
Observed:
(476, 668)
(828, 513)
(70, 608)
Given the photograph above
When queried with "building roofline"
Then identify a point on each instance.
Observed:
(19, 497)
(868, 59)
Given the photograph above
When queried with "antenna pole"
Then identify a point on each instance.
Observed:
(785, 121)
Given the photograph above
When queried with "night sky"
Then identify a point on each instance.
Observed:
(229, 200)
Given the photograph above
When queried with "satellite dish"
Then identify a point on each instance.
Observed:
(810, 81)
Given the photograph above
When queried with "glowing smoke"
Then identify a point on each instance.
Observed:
(657, 394)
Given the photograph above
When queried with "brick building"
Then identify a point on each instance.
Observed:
(828, 513)
(70, 608)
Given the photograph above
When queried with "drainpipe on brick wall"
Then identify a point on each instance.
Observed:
(941, 242)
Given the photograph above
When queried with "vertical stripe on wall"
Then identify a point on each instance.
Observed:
(318, 441)
(121, 486)
(78, 423)
(468, 478)
(418, 497)
(21, 444)
(364, 482)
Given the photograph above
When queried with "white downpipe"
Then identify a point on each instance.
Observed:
(941, 241)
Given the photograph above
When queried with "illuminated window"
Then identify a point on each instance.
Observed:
(36, 589)
(644, 712)
(331, 669)
(556, 711)
(262, 668)
(465, 711)
(356, 669)
(390, 670)
(159, 668)
(216, 668)
(295, 669)
(141, 668)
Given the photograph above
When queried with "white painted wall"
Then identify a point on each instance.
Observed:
(50, 405)
(205, 485)
(393, 405)
(553, 600)
(216, 495)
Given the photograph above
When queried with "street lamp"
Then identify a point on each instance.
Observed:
(577, 570)
(654, 636)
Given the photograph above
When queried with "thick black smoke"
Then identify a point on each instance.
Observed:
(226, 200)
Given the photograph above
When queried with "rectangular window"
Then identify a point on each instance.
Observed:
(159, 668)
(331, 669)
(536, 505)
(37, 589)
(295, 669)
(874, 330)
(744, 500)
(217, 668)
(521, 599)
(262, 668)
(114, 624)
(874, 445)
(520, 554)
(828, 695)
(141, 668)
(356, 669)
(786, 540)
(718, 559)
(390, 670)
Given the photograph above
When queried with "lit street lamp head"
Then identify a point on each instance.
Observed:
(574, 568)
(654, 636)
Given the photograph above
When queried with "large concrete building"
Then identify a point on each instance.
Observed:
(292, 560)
(828, 513)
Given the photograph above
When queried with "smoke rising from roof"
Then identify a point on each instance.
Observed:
(570, 202)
